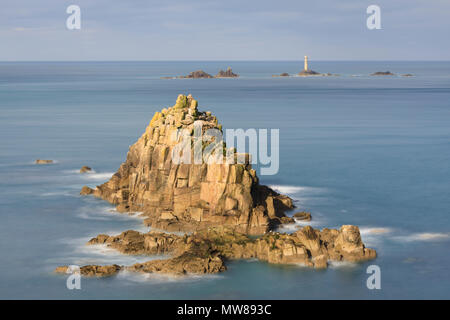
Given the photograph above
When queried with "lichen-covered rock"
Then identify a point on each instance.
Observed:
(188, 197)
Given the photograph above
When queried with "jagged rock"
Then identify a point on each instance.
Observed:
(188, 197)
(382, 73)
(206, 251)
(85, 169)
(197, 75)
(226, 74)
(303, 215)
(40, 161)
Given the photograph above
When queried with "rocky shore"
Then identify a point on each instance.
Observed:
(206, 251)
(222, 205)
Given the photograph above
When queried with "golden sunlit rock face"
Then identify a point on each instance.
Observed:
(187, 197)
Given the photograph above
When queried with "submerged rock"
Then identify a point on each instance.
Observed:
(188, 197)
(40, 161)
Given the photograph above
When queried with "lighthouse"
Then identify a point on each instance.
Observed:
(306, 63)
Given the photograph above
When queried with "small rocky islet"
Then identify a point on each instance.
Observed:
(200, 74)
(222, 208)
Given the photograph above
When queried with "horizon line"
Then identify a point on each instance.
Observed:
(233, 60)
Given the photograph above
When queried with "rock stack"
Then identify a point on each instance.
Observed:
(188, 197)
(221, 203)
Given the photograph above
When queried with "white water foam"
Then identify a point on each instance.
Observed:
(341, 264)
(296, 189)
(373, 236)
(162, 278)
(82, 254)
(106, 212)
(97, 176)
(424, 236)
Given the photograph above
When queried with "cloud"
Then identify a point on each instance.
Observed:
(216, 30)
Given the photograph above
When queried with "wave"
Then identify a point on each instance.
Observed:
(80, 253)
(374, 230)
(424, 236)
(296, 189)
(162, 278)
(341, 264)
(97, 176)
(107, 212)
(58, 193)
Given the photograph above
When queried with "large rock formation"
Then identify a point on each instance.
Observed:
(190, 196)
(222, 203)
(206, 251)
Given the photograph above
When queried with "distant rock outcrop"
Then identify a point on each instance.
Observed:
(40, 161)
(308, 72)
(85, 169)
(226, 74)
(188, 197)
(382, 73)
(206, 251)
(284, 74)
(198, 75)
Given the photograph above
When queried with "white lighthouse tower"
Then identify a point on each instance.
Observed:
(306, 63)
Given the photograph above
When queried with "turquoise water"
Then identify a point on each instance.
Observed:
(355, 149)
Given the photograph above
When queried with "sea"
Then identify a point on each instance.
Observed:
(353, 149)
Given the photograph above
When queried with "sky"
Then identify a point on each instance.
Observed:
(35, 30)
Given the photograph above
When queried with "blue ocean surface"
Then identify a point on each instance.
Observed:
(354, 149)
